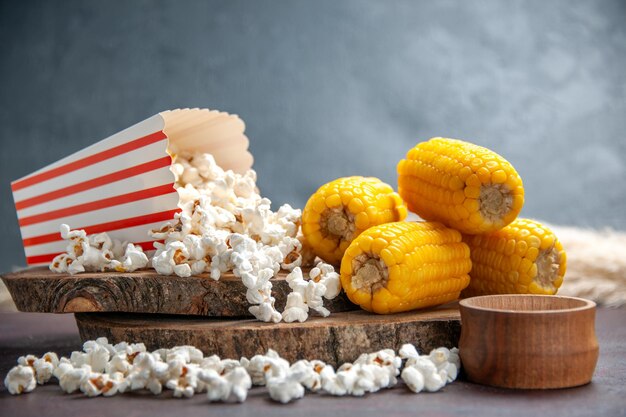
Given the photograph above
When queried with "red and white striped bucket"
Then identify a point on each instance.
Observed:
(122, 185)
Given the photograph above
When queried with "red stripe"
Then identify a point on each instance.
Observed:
(99, 204)
(95, 182)
(89, 160)
(41, 259)
(106, 227)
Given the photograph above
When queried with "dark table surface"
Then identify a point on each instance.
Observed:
(22, 333)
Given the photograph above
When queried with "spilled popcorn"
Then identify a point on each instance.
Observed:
(103, 369)
(224, 225)
(96, 253)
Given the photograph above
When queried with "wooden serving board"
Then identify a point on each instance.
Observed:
(339, 338)
(40, 290)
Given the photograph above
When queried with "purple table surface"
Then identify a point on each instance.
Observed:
(22, 333)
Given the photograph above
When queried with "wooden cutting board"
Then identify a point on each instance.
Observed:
(40, 290)
(339, 338)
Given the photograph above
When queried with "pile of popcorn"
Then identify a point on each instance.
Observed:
(106, 369)
(224, 225)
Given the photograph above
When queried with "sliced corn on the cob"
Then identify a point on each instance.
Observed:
(405, 265)
(342, 209)
(462, 185)
(523, 258)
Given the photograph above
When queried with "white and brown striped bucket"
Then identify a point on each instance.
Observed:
(122, 185)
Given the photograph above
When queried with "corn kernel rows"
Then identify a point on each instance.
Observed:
(426, 264)
(342, 209)
(524, 257)
(446, 180)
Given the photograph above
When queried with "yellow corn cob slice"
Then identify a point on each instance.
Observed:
(405, 265)
(462, 185)
(523, 258)
(340, 210)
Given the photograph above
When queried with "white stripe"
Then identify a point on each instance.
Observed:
(131, 234)
(149, 254)
(141, 129)
(106, 215)
(52, 247)
(150, 179)
(128, 160)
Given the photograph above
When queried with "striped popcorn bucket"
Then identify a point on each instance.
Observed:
(123, 184)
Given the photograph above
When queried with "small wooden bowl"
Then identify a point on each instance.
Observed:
(528, 341)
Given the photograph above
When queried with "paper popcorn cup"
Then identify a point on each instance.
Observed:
(122, 185)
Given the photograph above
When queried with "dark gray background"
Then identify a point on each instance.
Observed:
(330, 88)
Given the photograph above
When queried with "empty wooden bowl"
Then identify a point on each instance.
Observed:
(528, 341)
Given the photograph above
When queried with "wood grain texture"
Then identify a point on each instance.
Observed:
(528, 341)
(336, 339)
(42, 291)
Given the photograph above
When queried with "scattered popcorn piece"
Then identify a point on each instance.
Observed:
(45, 366)
(441, 358)
(216, 385)
(360, 378)
(63, 366)
(96, 384)
(61, 263)
(266, 311)
(261, 367)
(183, 379)
(449, 372)
(104, 342)
(233, 385)
(123, 357)
(330, 383)
(389, 363)
(311, 291)
(429, 372)
(226, 365)
(325, 274)
(188, 354)
(72, 378)
(147, 372)
(27, 360)
(119, 363)
(384, 358)
(173, 260)
(134, 258)
(20, 379)
(432, 379)
(95, 355)
(408, 351)
(308, 373)
(286, 388)
(291, 249)
(413, 379)
(215, 363)
(240, 383)
(295, 308)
